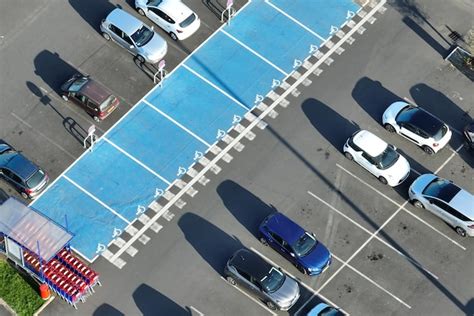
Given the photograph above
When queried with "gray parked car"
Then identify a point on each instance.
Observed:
(446, 200)
(133, 35)
(269, 283)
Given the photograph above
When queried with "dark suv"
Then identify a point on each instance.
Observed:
(269, 283)
(20, 172)
(94, 98)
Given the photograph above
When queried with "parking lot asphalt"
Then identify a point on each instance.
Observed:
(390, 258)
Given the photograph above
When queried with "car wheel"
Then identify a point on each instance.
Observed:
(271, 305)
(263, 241)
(65, 97)
(428, 150)
(24, 195)
(301, 269)
(348, 155)
(418, 204)
(383, 180)
(96, 118)
(230, 280)
(173, 36)
(106, 36)
(461, 232)
(141, 59)
(140, 11)
(389, 128)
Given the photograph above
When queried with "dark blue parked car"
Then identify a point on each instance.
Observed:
(294, 243)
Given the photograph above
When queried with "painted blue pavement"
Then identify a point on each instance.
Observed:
(318, 15)
(89, 221)
(196, 104)
(277, 37)
(164, 133)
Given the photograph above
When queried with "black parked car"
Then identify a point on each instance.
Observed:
(21, 173)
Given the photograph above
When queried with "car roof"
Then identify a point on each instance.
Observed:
(370, 143)
(250, 263)
(95, 91)
(18, 163)
(124, 21)
(177, 10)
(425, 121)
(284, 227)
(463, 201)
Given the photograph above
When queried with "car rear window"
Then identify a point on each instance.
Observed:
(190, 19)
(442, 189)
(441, 132)
(107, 103)
(35, 179)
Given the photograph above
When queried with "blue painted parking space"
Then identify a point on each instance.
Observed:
(107, 188)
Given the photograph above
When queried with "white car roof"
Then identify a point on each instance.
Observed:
(176, 10)
(370, 143)
(124, 21)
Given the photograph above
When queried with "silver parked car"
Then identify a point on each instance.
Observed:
(269, 283)
(133, 35)
(446, 200)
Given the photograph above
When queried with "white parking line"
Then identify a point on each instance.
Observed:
(250, 297)
(376, 237)
(136, 160)
(309, 288)
(195, 310)
(295, 20)
(96, 199)
(255, 53)
(449, 158)
(215, 86)
(416, 171)
(371, 281)
(398, 205)
(177, 123)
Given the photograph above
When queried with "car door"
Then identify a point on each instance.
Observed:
(439, 208)
(121, 38)
(12, 178)
(79, 98)
(409, 131)
(277, 243)
(367, 162)
(161, 19)
(245, 280)
(92, 108)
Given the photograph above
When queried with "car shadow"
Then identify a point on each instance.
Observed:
(107, 310)
(248, 209)
(93, 11)
(151, 303)
(330, 124)
(210, 242)
(373, 97)
(71, 125)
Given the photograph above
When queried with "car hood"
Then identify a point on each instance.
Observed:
(421, 182)
(400, 168)
(392, 111)
(156, 48)
(287, 292)
(317, 258)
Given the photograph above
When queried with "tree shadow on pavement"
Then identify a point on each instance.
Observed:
(210, 242)
(93, 11)
(248, 209)
(152, 303)
(107, 310)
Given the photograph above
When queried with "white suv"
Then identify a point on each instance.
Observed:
(378, 157)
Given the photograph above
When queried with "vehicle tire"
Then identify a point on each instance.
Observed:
(428, 150)
(141, 59)
(461, 232)
(141, 12)
(230, 280)
(271, 305)
(418, 204)
(383, 180)
(96, 118)
(301, 269)
(65, 97)
(24, 195)
(173, 36)
(389, 128)
(263, 241)
(348, 155)
(106, 36)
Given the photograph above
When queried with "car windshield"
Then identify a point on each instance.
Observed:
(272, 281)
(387, 158)
(190, 19)
(442, 189)
(107, 103)
(142, 36)
(304, 245)
(329, 311)
(78, 84)
(35, 179)
(407, 114)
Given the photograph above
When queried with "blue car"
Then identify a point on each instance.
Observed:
(294, 243)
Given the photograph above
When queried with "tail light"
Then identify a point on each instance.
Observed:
(29, 191)
(179, 31)
(435, 144)
(471, 226)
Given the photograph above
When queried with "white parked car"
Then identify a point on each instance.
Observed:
(378, 157)
(446, 200)
(173, 16)
(417, 125)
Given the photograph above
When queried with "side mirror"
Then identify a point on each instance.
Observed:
(152, 27)
(131, 46)
(292, 254)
